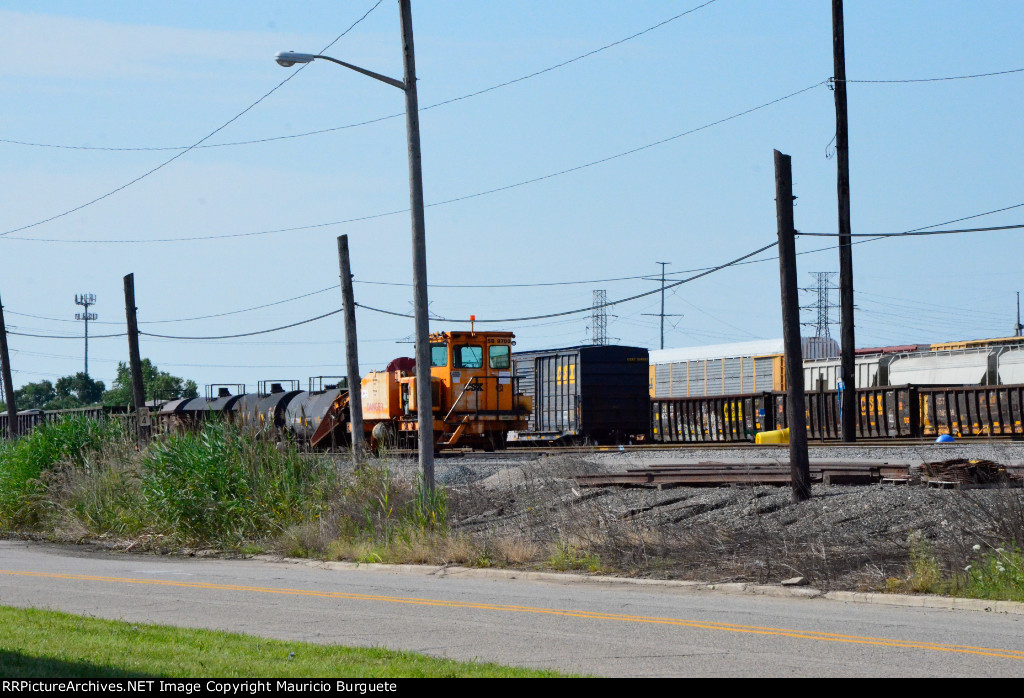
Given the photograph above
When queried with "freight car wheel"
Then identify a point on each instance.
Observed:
(383, 437)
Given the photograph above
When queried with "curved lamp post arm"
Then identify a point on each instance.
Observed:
(290, 58)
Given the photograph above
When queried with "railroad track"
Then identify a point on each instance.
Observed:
(520, 452)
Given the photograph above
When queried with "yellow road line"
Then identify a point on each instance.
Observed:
(590, 615)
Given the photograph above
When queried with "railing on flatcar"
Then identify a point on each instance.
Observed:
(883, 413)
(718, 418)
(30, 419)
(990, 410)
(888, 412)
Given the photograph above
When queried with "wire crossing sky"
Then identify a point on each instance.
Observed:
(567, 148)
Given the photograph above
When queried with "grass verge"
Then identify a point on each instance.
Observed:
(48, 644)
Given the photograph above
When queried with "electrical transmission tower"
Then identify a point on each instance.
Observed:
(599, 319)
(85, 300)
(825, 286)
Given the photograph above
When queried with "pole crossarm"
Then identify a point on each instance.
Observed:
(376, 76)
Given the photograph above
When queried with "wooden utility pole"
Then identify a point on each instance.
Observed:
(800, 470)
(424, 406)
(355, 398)
(848, 395)
(5, 367)
(138, 393)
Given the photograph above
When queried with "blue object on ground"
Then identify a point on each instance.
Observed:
(945, 439)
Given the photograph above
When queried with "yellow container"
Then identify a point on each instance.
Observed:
(779, 436)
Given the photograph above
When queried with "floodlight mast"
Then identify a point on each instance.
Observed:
(424, 403)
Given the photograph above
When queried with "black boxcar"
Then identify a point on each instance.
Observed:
(596, 394)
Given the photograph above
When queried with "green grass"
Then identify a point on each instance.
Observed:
(995, 574)
(227, 487)
(48, 644)
(74, 442)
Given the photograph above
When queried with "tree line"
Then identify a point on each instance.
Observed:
(80, 390)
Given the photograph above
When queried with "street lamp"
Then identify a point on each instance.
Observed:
(425, 412)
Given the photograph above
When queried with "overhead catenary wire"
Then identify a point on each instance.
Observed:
(452, 100)
(465, 197)
(167, 162)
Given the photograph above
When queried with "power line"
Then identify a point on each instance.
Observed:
(915, 233)
(248, 334)
(589, 308)
(189, 319)
(57, 336)
(457, 199)
(703, 271)
(381, 118)
(949, 77)
(191, 147)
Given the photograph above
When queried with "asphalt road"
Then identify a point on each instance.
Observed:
(616, 630)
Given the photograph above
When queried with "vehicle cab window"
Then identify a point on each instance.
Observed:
(439, 355)
(499, 356)
(469, 356)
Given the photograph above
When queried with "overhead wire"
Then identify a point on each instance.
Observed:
(915, 233)
(588, 308)
(940, 79)
(247, 334)
(381, 118)
(445, 202)
(167, 162)
(76, 336)
(745, 259)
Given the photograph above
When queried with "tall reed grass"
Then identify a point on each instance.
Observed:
(220, 487)
(227, 486)
(75, 442)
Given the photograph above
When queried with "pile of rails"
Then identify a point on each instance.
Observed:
(715, 474)
(963, 473)
(959, 473)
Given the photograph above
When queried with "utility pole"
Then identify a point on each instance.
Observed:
(85, 300)
(799, 463)
(1019, 327)
(662, 313)
(355, 397)
(848, 395)
(138, 392)
(424, 406)
(5, 368)
(663, 264)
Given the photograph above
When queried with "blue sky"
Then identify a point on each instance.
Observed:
(144, 75)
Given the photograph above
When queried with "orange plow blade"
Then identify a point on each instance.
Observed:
(336, 417)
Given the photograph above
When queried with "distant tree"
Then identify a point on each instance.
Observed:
(81, 389)
(78, 390)
(34, 396)
(155, 384)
